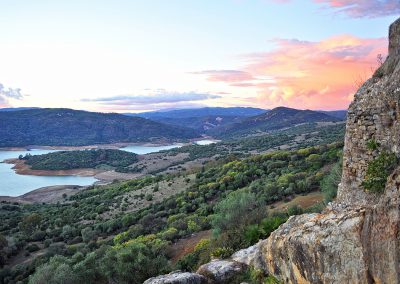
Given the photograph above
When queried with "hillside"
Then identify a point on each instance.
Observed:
(341, 114)
(68, 127)
(200, 123)
(95, 232)
(201, 119)
(277, 118)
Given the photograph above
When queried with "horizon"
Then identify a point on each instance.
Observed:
(130, 56)
(165, 110)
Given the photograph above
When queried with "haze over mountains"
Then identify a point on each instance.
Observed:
(227, 119)
(66, 127)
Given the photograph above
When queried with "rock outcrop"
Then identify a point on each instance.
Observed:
(178, 277)
(222, 271)
(357, 238)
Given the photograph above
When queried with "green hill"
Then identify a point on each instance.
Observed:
(276, 119)
(68, 127)
(66, 160)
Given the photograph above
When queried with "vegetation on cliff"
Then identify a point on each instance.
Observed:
(378, 171)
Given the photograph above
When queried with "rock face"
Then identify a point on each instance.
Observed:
(356, 239)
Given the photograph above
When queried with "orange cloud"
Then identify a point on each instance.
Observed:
(314, 75)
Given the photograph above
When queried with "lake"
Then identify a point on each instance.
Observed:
(206, 142)
(12, 184)
(141, 150)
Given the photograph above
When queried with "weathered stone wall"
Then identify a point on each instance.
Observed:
(373, 115)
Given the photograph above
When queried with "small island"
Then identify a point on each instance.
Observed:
(81, 159)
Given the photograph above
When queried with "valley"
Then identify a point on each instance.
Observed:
(200, 142)
(162, 194)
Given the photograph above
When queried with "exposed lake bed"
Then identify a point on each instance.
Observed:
(17, 179)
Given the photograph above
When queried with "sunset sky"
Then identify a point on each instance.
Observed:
(139, 55)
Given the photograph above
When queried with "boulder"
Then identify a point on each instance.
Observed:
(177, 277)
(222, 271)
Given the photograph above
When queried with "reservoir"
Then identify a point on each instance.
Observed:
(12, 184)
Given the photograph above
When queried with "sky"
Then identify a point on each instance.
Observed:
(142, 55)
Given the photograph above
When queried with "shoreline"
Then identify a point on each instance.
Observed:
(48, 194)
(94, 146)
(21, 168)
(102, 176)
(118, 145)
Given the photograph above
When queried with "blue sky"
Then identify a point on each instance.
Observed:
(74, 53)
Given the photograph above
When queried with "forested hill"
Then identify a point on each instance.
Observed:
(93, 158)
(71, 127)
(277, 118)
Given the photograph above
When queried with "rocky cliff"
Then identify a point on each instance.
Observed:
(357, 238)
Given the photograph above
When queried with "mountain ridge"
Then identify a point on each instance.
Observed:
(275, 119)
(67, 127)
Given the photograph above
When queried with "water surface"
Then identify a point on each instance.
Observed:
(206, 142)
(12, 184)
(141, 150)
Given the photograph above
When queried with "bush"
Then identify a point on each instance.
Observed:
(330, 183)
(223, 252)
(38, 236)
(32, 247)
(378, 171)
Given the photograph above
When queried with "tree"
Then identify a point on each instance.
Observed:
(56, 271)
(30, 223)
(232, 215)
(136, 260)
(88, 234)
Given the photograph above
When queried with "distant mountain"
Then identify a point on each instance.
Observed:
(277, 118)
(202, 119)
(341, 114)
(71, 127)
(201, 123)
(17, 108)
(203, 112)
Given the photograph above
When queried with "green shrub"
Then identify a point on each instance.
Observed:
(330, 182)
(223, 252)
(372, 145)
(32, 247)
(378, 171)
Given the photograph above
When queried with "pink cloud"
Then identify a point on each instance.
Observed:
(315, 75)
(226, 75)
(364, 8)
(360, 8)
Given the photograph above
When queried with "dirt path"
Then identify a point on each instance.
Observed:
(187, 245)
(304, 201)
